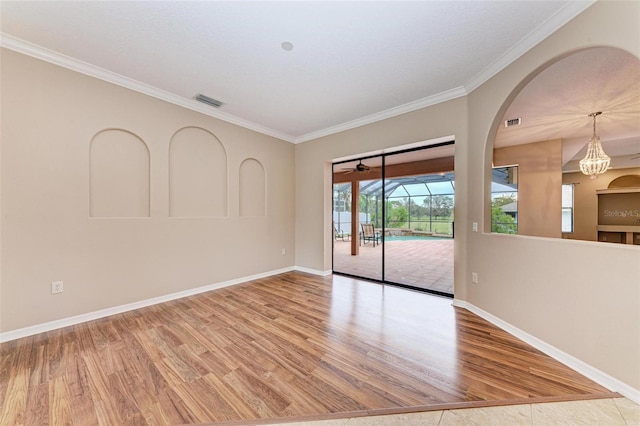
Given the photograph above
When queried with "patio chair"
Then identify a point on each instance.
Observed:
(344, 236)
(369, 234)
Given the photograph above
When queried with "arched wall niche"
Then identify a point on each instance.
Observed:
(626, 181)
(197, 174)
(554, 102)
(119, 175)
(253, 188)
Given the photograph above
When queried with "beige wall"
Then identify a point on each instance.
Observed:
(49, 117)
(539, 285)
(585, 201)
(539, 185)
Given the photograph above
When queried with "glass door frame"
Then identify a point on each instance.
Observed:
(383, 157)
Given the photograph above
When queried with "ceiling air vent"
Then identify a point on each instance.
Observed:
(207, 100)
(513, 122)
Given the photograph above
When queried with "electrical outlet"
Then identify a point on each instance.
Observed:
(474, 226)
(474, 277)
(57, 287)
(284, 252)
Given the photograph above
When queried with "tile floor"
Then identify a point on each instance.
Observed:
(604, 412)
(420, 263)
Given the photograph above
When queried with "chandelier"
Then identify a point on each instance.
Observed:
(596, 161)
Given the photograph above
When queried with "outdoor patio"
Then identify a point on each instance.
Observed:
(426, 264)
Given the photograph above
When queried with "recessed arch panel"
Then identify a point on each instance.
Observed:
(253, 197)
(119, 175)
(626, 181)
(197, 174)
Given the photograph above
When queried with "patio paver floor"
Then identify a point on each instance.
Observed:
(426, 264)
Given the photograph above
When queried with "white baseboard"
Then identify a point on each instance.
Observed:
(570, 361)
(313, 271)
(65, 322)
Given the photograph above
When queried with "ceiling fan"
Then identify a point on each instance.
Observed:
(360, 168)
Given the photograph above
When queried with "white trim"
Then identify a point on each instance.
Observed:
(383, 115)
(313, 271)
(38, 52)
(548, 27)
(65, 322)
(570, 361)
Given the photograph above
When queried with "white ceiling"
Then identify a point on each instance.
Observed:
(352, 62)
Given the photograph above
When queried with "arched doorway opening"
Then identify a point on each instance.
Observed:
(542, 131)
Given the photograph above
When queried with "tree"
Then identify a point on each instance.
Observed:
(502, 222)
(417, 211)
(375, 210)
(441, 205)
(503, 200)
(397, 214)
(344, 198)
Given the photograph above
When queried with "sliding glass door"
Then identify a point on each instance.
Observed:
(393, 218)
(357, 218)
(419, 200)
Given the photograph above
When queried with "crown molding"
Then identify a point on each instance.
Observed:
(383, 115)
(541, 32)
(568, 12)
(47, 55)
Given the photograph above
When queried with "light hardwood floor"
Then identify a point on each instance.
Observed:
(287, 346)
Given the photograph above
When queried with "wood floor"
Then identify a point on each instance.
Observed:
(288, 345)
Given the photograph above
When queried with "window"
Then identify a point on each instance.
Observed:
(567, 208)
(504, 200)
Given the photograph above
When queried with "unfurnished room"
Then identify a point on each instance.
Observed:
(320, 213)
